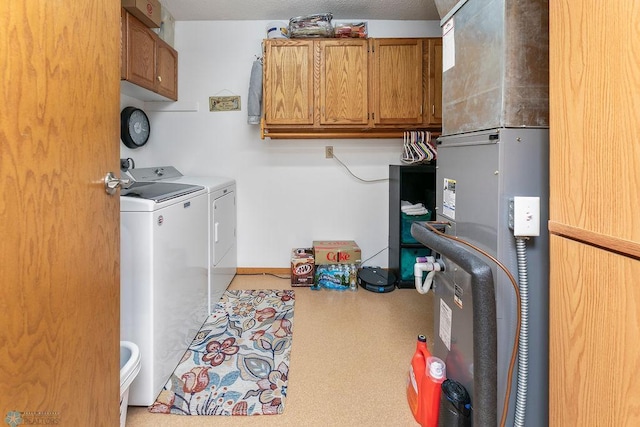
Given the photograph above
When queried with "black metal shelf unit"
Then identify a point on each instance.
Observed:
(415, 184)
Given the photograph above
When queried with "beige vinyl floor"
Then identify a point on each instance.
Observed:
(349, 359)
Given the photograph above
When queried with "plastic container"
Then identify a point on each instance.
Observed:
(277, 30)
(335, 276)
(407, 261)
(430, 391)
(416, 374)
(318, 25)
(167, 28)
(348, 29)
(407, 222)
(129, 368)
(455, 405)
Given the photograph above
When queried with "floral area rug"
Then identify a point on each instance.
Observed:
(238, 363)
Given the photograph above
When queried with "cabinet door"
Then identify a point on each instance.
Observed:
(343, 82)
(433, 109)
(141, 54)
(167, 70)
(288, 82)
(397, 81)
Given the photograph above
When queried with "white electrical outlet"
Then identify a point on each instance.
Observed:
(328, 152)
(526, 216)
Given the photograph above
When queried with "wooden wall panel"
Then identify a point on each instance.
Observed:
(594, 337)
(595, 116)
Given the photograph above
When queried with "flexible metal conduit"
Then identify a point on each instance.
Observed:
(523, 342)
(485, 340)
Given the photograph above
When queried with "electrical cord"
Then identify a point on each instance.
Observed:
(266, 274)
(362, 262)
(357, 177)
(289, 277)
(514, 351)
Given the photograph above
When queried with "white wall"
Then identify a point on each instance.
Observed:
(288, 193)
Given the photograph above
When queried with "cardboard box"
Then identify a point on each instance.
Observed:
(302, 267)
(336, 252)
(147, 11)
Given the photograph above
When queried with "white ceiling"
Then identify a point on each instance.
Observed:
(279, 10)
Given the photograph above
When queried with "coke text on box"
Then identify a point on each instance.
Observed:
(336, 252)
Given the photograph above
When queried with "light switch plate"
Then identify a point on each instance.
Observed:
(526, 216)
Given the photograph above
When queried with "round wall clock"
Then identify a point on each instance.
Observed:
(134, 127)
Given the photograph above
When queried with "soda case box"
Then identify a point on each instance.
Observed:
(336, 252)
(302, 267)
(147, 11)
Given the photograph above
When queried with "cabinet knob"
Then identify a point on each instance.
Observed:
(160, 79)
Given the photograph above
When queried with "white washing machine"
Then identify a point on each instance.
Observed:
(222, 248)
(163, 277)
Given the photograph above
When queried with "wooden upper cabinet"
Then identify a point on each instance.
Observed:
(433, 105)
(141, 54)
(148, 61)
(343, 82)
(288, 82)
(397, 82)
(353, 87)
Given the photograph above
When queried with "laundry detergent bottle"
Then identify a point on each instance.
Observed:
(416, 374)
(430, 390)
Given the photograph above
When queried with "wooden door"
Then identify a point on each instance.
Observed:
(59, 230)
(397, 81)
(288, 82)
(343, 82)
(594, 321)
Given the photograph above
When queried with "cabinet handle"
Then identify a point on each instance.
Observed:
(433, 109)
(160, 79)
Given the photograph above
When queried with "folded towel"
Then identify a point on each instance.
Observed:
(408, 205)
(417, 211)
(254, 103)
(413, 209)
